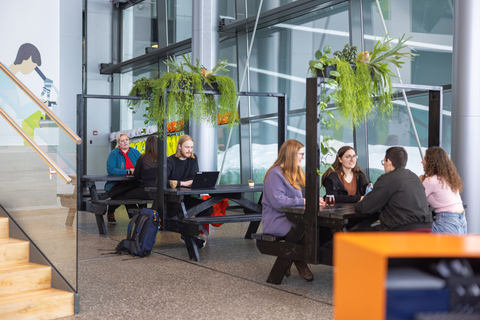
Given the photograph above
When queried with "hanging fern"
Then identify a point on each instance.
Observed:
(363, 88)
(186, 97)
(357, 92)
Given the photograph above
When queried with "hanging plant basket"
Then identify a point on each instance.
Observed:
(188, 95)
(364, 79)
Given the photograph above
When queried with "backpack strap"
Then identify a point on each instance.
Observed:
(130, 226)
(142, 220)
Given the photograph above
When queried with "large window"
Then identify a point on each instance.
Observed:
(139, 29)
(429, 23)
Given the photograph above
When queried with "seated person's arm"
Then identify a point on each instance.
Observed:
(184, 179)
(138, 170)
(339, 198)
(275, 191)
(187, 181)
(375, 200)
(112, 165)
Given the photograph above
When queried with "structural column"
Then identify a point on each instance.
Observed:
(205, 21)
(466, 105)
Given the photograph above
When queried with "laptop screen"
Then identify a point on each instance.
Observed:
(205, 179)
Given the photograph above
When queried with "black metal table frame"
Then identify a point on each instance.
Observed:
(337, 219)
(183, 225)
(89, 182)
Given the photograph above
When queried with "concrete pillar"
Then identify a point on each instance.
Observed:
(465, 108)
(205, 21)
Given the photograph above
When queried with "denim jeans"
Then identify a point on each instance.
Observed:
(450, 223)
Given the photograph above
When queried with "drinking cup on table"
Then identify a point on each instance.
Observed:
(329, 200)
(173, 183)
(251, 183)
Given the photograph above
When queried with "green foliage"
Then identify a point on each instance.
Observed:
(368, 81)
(328, 94)
(348, 54)
(384, 55)
(186, 98)
(354, 93)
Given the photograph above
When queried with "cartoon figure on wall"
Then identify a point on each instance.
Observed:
(28, 59)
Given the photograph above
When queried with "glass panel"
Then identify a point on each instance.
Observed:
(279, 63)
(252, 5)
(229, 156)
(41, 203)
(179, 20)
(431, 29)
(139, 29)
(280, 55)
(226, 8)
(396, 130)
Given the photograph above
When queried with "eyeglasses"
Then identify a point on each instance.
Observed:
(382, 162)
(351, 157)
(301, 153)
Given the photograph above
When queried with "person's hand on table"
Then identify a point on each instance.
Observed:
(361, 198)
(187, 183)
(321, 202)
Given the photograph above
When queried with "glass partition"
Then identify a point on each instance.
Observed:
(39, 201)
(139, 25)
(398, 130)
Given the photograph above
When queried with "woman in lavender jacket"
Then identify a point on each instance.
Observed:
(282, 186)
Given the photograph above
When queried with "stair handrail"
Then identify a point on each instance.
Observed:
(39, 103)
(35, 147)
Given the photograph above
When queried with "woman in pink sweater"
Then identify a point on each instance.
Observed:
(443, 186)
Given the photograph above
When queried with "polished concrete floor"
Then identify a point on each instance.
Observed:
(228, 283)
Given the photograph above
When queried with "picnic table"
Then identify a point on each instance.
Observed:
(92, 201)
(186, 222)
(339, 218)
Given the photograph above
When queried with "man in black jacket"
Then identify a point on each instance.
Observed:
(398, 195)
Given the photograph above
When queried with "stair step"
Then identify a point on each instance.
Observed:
(24, 277)
(13, 251)
(38, 304)
(3, 227)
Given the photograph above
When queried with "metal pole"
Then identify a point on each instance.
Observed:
(465, 110)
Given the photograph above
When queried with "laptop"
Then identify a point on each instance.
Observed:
(204, 179)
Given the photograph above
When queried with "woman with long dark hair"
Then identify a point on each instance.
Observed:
(442, 187)
(346, 181)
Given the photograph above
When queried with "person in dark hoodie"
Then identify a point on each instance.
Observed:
(399, 197)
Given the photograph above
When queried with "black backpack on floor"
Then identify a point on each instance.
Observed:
(141, 234)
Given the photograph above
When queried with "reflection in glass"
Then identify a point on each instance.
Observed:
(139, 29)
(35, 199)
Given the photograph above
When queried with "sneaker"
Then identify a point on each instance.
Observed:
(201, 243)
(103, 196)
(111, 219)
(198, 241)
